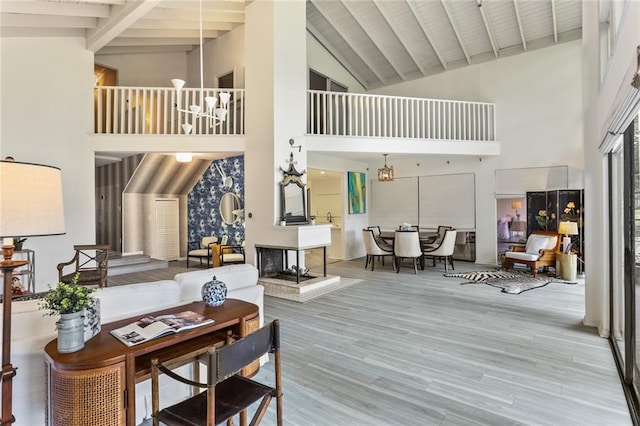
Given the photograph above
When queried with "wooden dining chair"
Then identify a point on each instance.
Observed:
(227, 393)
(406, 245)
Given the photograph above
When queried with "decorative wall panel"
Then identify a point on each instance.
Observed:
(203, 202)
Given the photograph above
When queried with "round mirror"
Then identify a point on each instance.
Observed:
(230, 209)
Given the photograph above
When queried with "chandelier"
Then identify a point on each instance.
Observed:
(385, 174)
(207, 107)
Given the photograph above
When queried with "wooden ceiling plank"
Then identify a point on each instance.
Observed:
(385, 54)
(56, 9)
(412, 54)
(323, 12)
(156, 24)
(164, 13)
(120, 19)
(154, 41)
(524, 41)
(488, 27)
(427, 35)
(46, 21)
(455, 29)
(554, 17)
(168, 32)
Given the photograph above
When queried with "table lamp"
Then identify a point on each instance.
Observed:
(30, 205)
(517, 205)
(566, 229)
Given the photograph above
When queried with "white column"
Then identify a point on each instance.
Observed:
(276, 81)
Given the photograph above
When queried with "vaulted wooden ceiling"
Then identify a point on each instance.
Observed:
(380, 42)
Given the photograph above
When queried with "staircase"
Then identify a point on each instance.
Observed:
(119, 264)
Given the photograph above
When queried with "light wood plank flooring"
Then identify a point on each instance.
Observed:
(405, 349)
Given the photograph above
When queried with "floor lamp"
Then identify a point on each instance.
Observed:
(30, 205)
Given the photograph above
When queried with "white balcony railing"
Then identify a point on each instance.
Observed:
(352, 114)
(150, 110)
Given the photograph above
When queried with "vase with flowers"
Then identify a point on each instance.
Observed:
(69, 301)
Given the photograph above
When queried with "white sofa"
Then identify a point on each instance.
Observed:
(30, 331)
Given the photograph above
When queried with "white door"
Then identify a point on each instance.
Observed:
(167, 229)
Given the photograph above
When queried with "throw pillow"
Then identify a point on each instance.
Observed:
(551, 242)
(535, 243)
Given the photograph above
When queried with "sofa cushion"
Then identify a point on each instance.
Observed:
(520, 255)
(234, 277)
(28, 321)
(130, 300)
(535, 243)
(551, 242)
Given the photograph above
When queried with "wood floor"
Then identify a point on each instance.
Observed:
(405, 349)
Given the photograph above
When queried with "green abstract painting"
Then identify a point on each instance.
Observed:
(357, 193)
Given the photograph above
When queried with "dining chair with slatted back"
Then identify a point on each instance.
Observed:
(406, 245)
(227, 393)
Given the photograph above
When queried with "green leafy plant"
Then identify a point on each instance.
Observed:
(67, 298)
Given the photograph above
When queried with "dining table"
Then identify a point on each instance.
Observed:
(426, 237)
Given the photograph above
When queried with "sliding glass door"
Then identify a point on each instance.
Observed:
(624, 261)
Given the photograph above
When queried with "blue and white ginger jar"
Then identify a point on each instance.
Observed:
(214, 292)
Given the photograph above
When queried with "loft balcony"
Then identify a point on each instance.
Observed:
(336, 121)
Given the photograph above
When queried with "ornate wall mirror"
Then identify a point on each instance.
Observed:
(230, 208)
(293, 195)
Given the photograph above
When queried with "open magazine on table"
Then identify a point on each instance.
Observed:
(150, 327)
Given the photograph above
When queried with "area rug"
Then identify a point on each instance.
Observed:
(512, 282)
(303, 295)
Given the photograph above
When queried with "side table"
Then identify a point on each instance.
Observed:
(567, 266)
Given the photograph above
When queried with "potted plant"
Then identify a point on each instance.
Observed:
(69, 301)
(17, 243)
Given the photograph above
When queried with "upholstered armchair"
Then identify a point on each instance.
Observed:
(202, 250)
(539, 251)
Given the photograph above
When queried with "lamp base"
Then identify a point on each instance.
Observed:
(566, 242)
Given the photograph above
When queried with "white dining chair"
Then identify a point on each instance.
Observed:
(444, 249)
(375, 248)
(406, 245)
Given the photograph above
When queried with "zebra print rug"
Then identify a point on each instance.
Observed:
(512, 282)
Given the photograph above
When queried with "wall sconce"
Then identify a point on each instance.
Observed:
(385, 174)
(291, 142)
(184, 157)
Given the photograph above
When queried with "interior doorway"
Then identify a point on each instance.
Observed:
(511, 223)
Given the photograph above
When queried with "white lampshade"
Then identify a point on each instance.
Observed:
(178, 84)
(568, 228)
(187, 128)
(211, 102)
(224, 98)
(31, 202)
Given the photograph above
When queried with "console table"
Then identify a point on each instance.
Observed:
(98, 382)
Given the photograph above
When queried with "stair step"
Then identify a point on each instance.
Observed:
(119, 260)
(136, 266)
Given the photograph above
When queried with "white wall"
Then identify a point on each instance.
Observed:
(598, 100)
(352, 224)
(224, 54)
(148, 70)
(538, 117)
(47, 114)
(321, 61)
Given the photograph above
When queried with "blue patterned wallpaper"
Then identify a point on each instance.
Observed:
(203, 202)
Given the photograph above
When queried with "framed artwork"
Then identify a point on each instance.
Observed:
(357, 193)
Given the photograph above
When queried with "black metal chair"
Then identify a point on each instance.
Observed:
(227, 393)
(201, 250)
